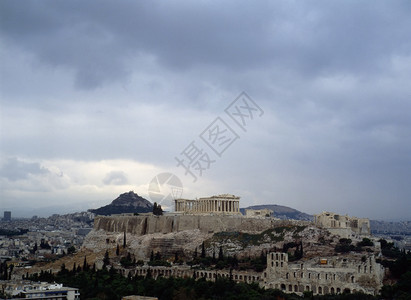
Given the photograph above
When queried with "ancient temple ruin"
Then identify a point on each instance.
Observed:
(332, 275)
(344, 226)
(221, 204)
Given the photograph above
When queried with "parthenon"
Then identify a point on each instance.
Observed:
(221, 204)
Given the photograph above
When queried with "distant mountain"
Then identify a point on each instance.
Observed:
(390, 228)
(282, 212)
(125, 203)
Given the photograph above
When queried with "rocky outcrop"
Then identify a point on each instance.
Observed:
(140, 246)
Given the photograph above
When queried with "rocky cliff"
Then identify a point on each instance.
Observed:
(170, 234)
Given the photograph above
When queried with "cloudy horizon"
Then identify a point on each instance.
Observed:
(98, 97)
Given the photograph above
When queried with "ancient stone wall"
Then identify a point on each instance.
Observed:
(325, 276)
(187, 272)
(343, 225)
(149, 224)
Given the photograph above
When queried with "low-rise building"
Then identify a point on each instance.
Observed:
(25, 289)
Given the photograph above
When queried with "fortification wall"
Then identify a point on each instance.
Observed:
(149, 224)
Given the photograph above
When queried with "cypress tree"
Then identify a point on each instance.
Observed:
(220, 253)
(158, 256)
(301, 249)
(203, 253)
(106, 260)
(85, 265)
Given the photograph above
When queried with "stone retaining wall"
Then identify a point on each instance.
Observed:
(149, 224)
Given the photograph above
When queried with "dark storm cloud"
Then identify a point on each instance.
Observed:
(14, 169)
(96, 39)
(134, 80)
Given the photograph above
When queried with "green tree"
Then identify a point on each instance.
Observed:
(158, 256)
(85, 264)
(106, 259)
(71, 250)
(203, 253)
(221, 254)
(157, 210)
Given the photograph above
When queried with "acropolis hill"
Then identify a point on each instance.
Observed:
(215, 223)
(220, 213)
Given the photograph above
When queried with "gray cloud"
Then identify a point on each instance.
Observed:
(97, 39)
(132, 80)
(14, 169)
(115, 178)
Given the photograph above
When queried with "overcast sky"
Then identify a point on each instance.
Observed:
(98, 97)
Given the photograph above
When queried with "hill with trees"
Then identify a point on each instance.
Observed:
(125, 203)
